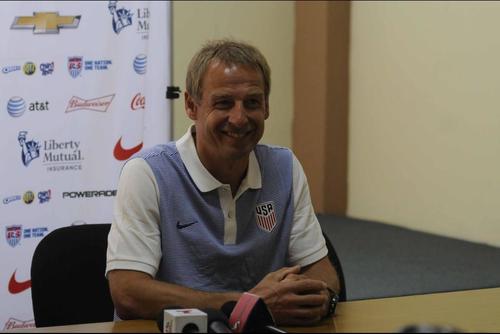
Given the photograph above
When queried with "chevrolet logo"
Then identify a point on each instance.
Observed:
(45, 22)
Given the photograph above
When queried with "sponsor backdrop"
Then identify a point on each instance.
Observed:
(82, 88)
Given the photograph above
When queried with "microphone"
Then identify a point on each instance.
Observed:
(187, 320)
(217, 321)
(250, 315)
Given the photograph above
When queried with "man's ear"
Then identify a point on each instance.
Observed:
(266, 114)
(190, 106)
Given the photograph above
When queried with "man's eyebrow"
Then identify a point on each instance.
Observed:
(255, 95)
(220, 96)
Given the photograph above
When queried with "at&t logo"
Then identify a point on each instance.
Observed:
(16, 106)
(140, 64)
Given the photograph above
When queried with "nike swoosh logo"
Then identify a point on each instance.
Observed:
(181, 226)
(121, 153)
(18, 287)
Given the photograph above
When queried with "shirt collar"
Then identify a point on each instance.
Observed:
(202, 177)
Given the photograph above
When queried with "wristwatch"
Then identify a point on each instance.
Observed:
(332, 305)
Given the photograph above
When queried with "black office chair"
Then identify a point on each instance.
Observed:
(334, 259)
(68, 285)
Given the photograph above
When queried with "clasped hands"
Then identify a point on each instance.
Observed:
(292, 297)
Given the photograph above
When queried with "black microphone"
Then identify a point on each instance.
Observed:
(217, 321)
(250, 315)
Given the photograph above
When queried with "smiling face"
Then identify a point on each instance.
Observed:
(229, 118)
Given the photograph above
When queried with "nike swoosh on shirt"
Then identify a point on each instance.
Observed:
(18, 287)
(121, 153)
(181, 226)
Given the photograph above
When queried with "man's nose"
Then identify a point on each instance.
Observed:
(238, 115)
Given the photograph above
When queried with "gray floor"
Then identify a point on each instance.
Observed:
(381, 260)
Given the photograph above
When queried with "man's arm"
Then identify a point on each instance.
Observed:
(137, 295)
(323, 270)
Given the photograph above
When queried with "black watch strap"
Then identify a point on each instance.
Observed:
(334, 299)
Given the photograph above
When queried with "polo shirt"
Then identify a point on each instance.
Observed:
(134, 241)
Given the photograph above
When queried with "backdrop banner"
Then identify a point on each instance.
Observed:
(82, 88)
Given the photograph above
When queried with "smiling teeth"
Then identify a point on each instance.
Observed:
(235, 134)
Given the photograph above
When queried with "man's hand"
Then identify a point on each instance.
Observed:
(293, 298)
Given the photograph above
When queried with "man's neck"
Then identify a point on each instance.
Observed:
(228, 172)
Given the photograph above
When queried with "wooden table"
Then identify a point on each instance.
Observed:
(468, 311)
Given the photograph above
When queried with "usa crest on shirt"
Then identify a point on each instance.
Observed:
(265, 216)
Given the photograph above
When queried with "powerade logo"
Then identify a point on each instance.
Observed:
(16, 106)
(140, 64)
(89, 194)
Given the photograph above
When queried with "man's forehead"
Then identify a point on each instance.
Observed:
(224, 80)
(252, 90)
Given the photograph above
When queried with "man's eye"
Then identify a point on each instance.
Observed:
(223, 104)
(253, 103)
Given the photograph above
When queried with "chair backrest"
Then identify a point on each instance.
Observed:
(68, 285)
(334, 259)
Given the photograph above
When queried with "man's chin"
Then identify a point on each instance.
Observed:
(238, 153)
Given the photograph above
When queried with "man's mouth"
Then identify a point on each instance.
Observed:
(237, 134)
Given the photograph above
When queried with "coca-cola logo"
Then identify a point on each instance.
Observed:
(138, 102)
(13, 323)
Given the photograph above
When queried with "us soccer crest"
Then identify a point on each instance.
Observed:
(13, 234)
(75, 66)
(265, 216)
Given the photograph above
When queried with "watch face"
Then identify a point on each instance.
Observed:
(334, 298)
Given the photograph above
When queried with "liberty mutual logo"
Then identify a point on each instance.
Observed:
(122, 17)
(30, 148)
(57, 155)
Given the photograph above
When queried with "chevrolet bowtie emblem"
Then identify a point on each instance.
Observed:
(45, 22)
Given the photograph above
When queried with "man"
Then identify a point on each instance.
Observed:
(201, 220)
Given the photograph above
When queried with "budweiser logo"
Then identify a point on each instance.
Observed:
(18, 324)
(138, 102)
(98, 104)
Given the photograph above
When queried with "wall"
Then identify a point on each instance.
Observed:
(425, 116)
(269, 25)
